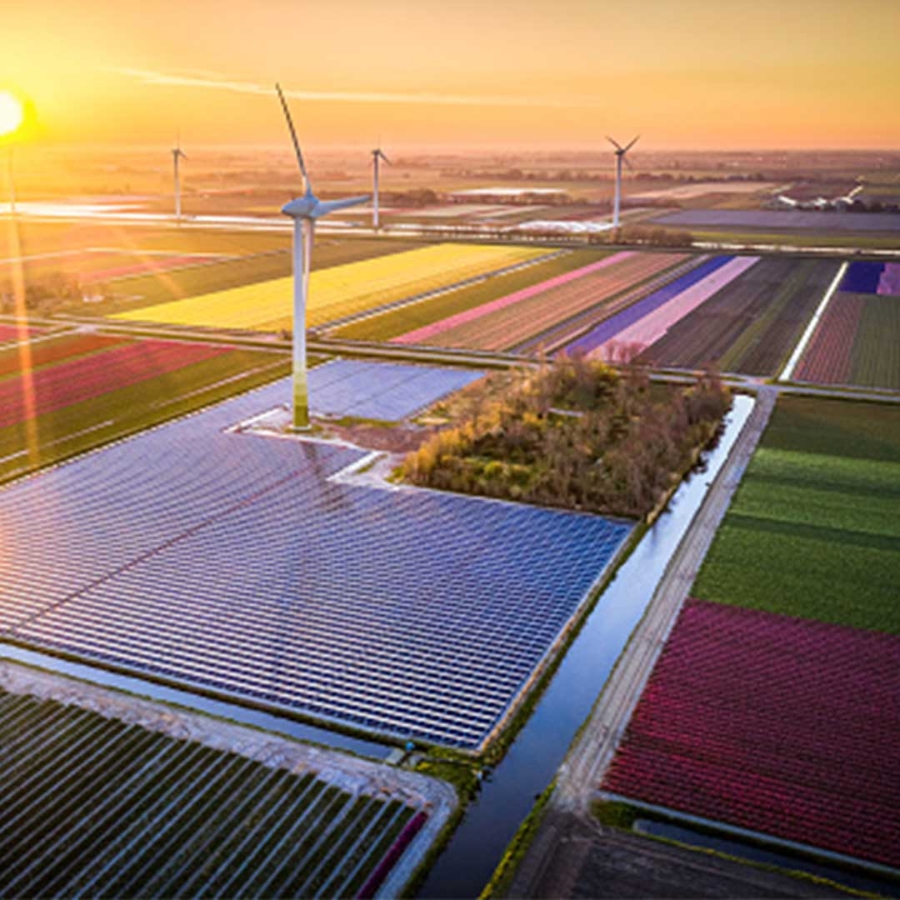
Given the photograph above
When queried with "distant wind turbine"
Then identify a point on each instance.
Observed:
(304, 211)
(376, 156)
(620, 155)
(177, 153)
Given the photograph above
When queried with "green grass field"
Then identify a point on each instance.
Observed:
(36, 237)
(390, 324)
(876, 345)
(813, 530)
(74, 429)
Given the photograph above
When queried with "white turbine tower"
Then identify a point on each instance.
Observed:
(376, 156)
(177, 154)
(304, 211)
(620, 155)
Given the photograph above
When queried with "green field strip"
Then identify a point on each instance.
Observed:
(290, 814)
(81, 426)
(177, 284)
(808, 577)
(391, 324)
(875, 358)
(813, 530)
(316, 827)
(573, 326)
(235, 806)
(356, 880)
(226, 850)
(14, 353)
(304, 879)
(770, 325)
(101, 803)
(806, 488)
(162, 796)
(334, 883)
(185, 760)
(835, 428)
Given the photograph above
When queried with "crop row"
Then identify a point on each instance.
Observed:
(464, 317)
(613, 326)
(99, 807)
(751, 324)
(857, 342)
(828, 358)
(409, 317)
(33, 393)
(10, 333)
(813, 530)
(774, 724)
(338, 292)
(510, 320)
(132, 406)
(145, 265)
(46, 353)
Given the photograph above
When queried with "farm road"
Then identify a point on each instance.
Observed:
(580, 774)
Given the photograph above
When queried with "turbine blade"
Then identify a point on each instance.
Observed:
(632, 143)
(385, 158)
(290, 121)
(628, 162)
(614, 143)
(330, 206)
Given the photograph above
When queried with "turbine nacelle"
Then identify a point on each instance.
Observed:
(310, 207)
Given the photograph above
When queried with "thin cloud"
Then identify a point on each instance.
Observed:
(213, 82)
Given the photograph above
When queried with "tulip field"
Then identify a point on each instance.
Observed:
(751, 325)
(92, 374)
(245, 261)
(10, 333)
(338, 292)
(775, 724)
(64, 394)
(388, 325)
(508, 321)
(774, 705)
(98, 807)
(857, 340)
(643, 323)
(98, 264)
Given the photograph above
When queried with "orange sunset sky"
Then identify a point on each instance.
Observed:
(684, 73)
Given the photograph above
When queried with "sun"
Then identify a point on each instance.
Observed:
(11, 113)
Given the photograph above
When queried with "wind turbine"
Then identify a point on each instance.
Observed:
(304, 211)
(177, 153)
(376, 156)
(620, 155)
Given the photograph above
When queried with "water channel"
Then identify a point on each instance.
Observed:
(509, 792)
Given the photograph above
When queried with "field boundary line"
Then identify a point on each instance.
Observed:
(788, 370)
(353, 318)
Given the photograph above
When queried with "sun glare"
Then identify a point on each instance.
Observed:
(11, 114)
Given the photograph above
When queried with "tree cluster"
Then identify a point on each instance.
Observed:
(655, 237)
(41, 294)
(576, 434)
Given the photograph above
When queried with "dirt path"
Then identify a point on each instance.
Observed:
(593, 750)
